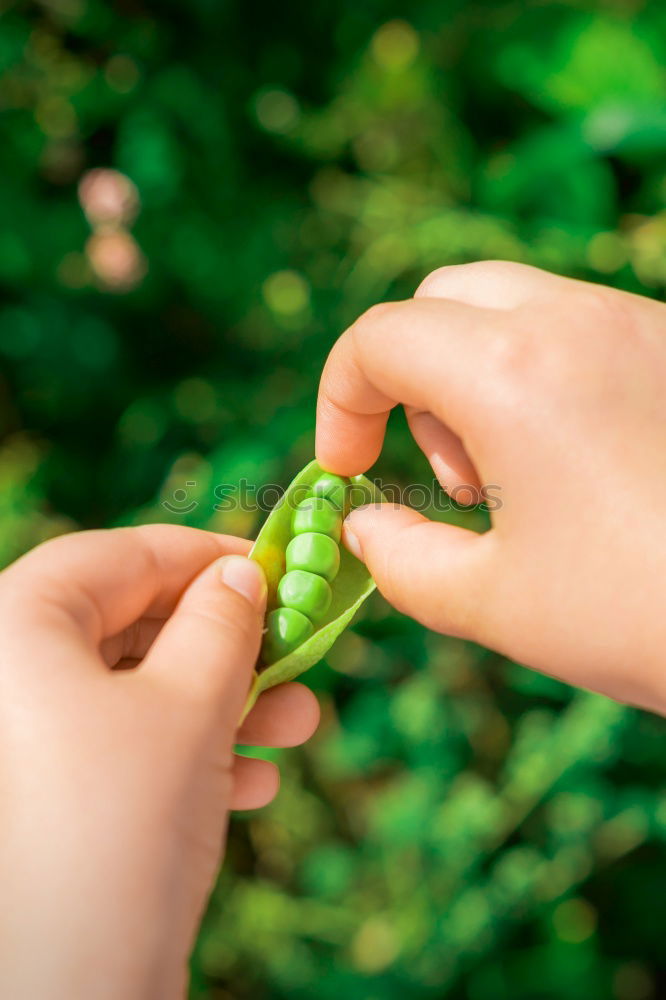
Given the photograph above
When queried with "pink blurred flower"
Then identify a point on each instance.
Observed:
(116, 259)
(108, 197)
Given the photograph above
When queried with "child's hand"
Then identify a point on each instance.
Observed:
(556, 391)
(116, 783)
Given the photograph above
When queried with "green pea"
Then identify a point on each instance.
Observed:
(305, 592)
(333, 488)
(317, 514)
(351, 586)
(286, 629)
(315, 553)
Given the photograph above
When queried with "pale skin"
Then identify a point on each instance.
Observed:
(127, 654)
(555, 390)
(117, 783)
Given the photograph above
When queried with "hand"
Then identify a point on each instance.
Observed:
(117, 782)
(555, 390)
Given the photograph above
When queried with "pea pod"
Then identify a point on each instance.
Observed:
(350, 587)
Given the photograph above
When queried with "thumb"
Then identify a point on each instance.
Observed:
(209, 646)
(436, 573)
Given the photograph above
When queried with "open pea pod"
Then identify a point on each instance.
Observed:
(350, 588)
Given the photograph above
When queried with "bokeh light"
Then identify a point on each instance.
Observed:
(395, 45)
(108, 198)
(116, 259)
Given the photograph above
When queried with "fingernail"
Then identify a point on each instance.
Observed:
(245, 577)
(351, 539)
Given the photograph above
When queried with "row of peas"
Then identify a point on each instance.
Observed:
(313, 560)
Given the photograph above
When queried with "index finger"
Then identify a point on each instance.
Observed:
(425, 353)
(99, 582)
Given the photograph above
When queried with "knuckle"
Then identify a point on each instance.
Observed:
(438, 280)
(511, 356)
(40, 572)
(545, 353)
(524, 367)
(598, 307)
(45, 550)
(364, 335)
(373, 318)
(443, 279)
(507, 270)
(603, 315)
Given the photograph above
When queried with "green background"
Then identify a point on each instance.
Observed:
(459, 827)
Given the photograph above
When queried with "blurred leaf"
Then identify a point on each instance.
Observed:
(459, 826)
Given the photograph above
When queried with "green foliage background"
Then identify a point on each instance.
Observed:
(459, 827)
